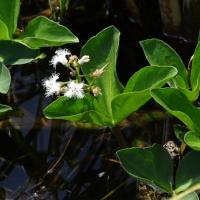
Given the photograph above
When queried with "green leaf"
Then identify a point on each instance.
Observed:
(9, 11)
(152, 164)
(195, 72)
(126, 103)
(5, 79)
(15, 53)
(150, 77)
(188, 173)
(180, 132)
(43, 32)
(159, 53)
(4, 31)
(4, 109)
(191, 196)
(137, 90)
(79, 110)
(192, 139)
(177, 104)
(103, 49)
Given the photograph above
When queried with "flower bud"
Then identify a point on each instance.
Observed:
(98, 72)
(84, 59)
(96, 91)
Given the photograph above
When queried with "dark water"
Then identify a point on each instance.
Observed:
(45, 159)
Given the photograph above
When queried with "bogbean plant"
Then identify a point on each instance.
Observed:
(154, 164)
(94, 95)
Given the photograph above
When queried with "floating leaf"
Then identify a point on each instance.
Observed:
(43, 32)
(152, 164)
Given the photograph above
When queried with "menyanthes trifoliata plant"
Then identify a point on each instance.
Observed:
(76, 87)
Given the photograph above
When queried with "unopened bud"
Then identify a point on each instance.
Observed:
(98, 72)
(96, 91)
(84, 59)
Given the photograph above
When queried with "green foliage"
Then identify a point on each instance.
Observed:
(40, 32)
(43, 32)
(176, 103)
(188, 173)
(4, 78)
(4, 109)
(116, 102)
(9, 11)
(4, 31)
(15, 53)
(159, 53)
(154, 165)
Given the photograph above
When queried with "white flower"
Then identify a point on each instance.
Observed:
(51, 85)
(60, 57)
(84, 59)
(74, 90)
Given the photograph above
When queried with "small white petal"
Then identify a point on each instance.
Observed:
(51, 85)
(74, 90)
(60, 57)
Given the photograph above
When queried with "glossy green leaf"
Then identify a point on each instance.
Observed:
(43, 32)
(176, 103)
(150, 77)
(15, 53)
(4, 31)
(9, 11)
(152, 164)
(5, 78)
(4, 109)
(188, 173)
(137, 90)
(103, 49)
(195, 72)
(159, 53)
(80, 110)
(126, 103)
(192, 139)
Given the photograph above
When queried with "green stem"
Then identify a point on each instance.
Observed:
(185, 193)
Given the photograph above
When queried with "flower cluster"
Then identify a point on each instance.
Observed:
(72, 88)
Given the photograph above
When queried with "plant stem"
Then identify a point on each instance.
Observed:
(119, 136)
(185, 193)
